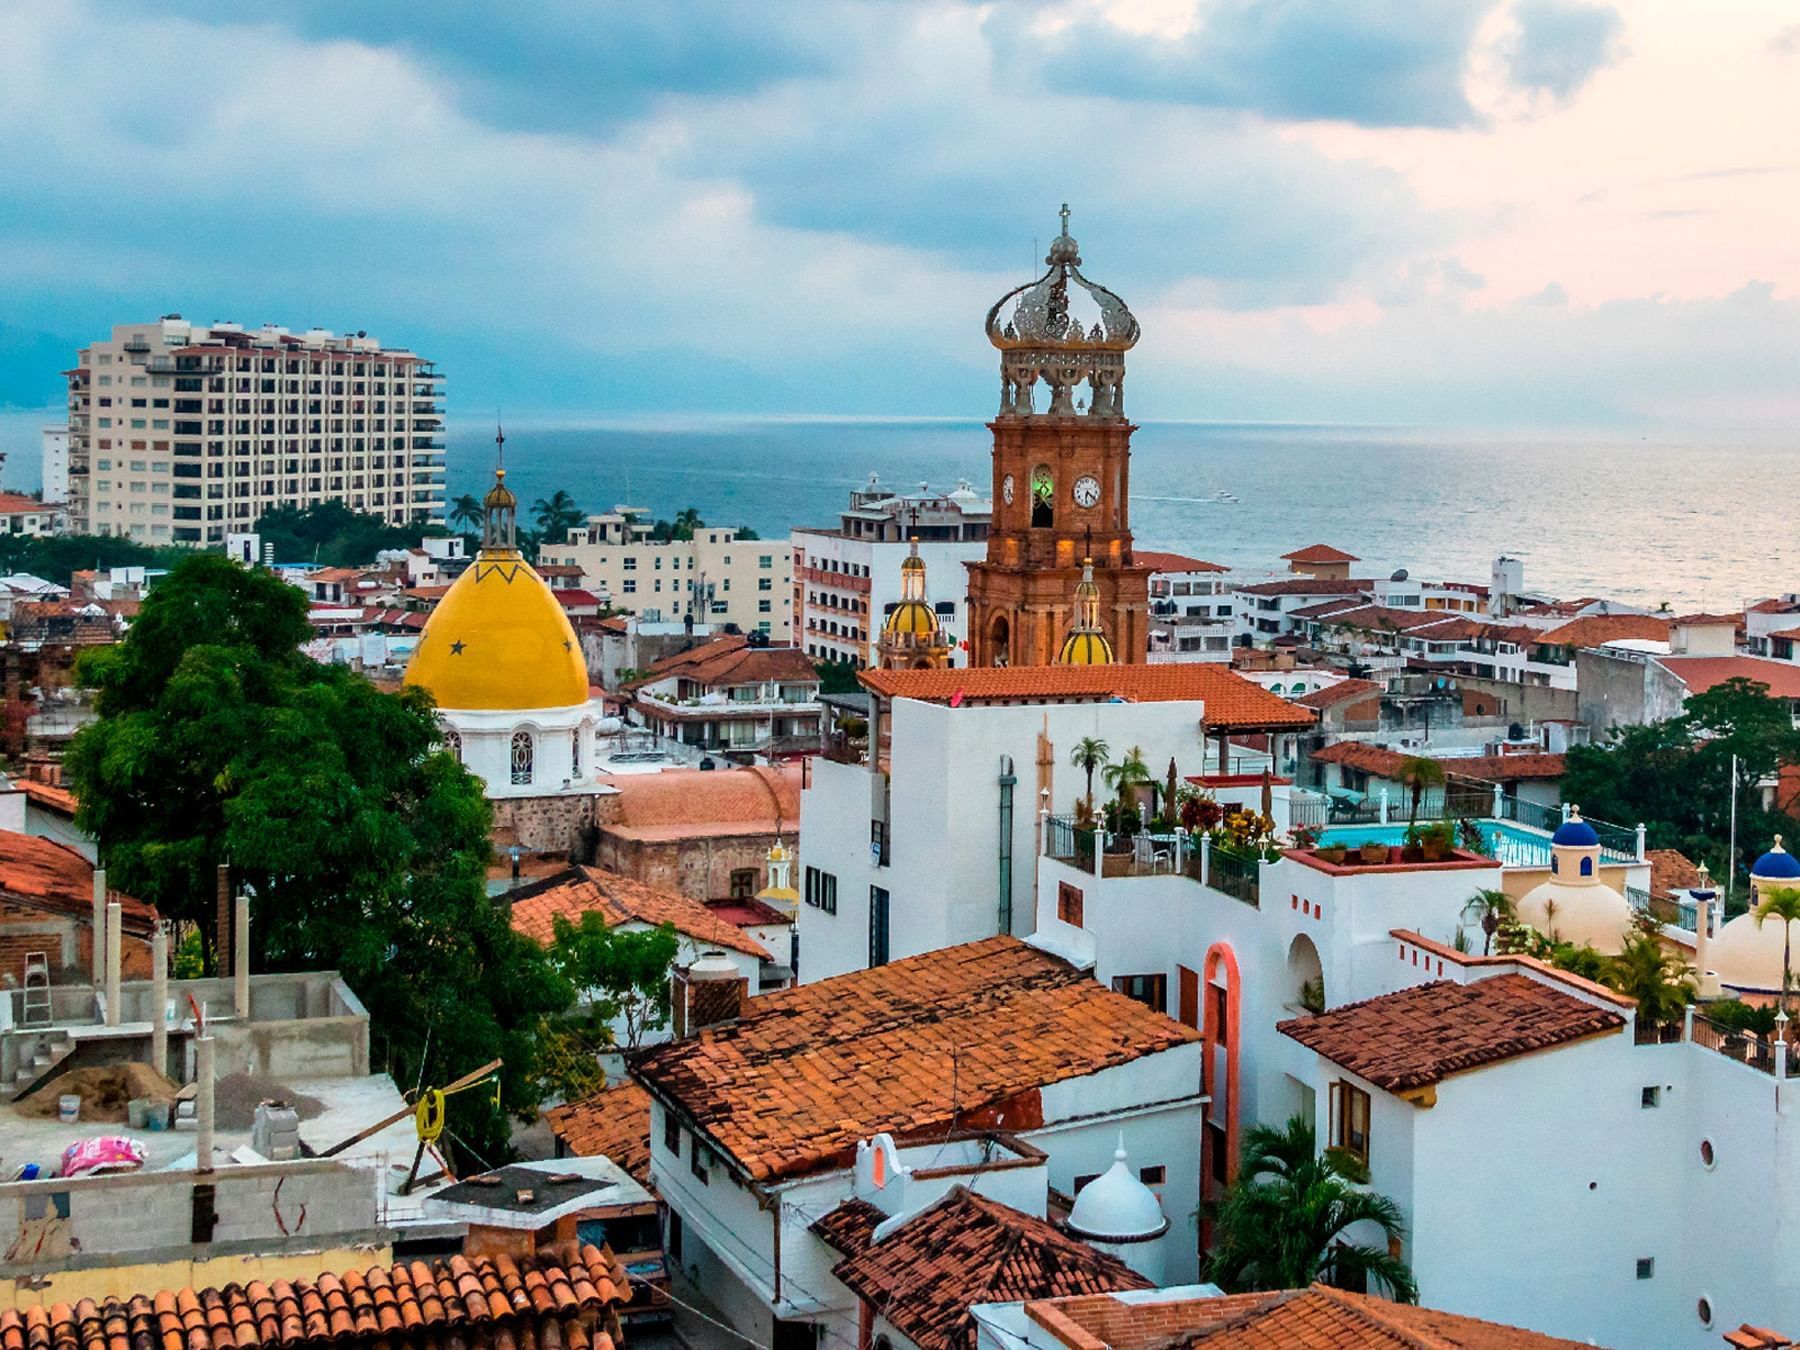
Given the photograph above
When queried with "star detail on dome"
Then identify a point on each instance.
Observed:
(456, 648)
(567, 645)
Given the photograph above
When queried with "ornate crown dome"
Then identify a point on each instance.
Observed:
(498, 640)
(1063, 329)
(1116, 1207)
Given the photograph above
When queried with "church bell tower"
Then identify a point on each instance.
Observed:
(1062, 471)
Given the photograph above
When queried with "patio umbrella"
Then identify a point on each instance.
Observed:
(1268, 793)
(1169, 791)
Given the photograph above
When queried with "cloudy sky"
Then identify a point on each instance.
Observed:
(1469, 212)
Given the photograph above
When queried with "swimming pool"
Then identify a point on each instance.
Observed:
(1513, 845)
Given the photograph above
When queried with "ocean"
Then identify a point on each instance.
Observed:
(1687, 523)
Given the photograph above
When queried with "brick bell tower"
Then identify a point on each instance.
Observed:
(1062, 471)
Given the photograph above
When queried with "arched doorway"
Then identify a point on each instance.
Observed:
(1305, 976)
(999, 641)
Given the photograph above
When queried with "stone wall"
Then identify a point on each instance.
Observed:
(546, 824)
(699, 868)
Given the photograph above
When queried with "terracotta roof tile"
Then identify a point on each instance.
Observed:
(1594, 629)
(1318, 1318)
(964, 1036)
(968, 1249)
(851, 1226)
(485, 1302)
(1320, 553)
(1158, 561)
(1371, 618)
(1700, 673)
(1308, 586)
(731, 660)
(50, 796)
(613, 1123)
(1344, 691)
(618, 899)
(1671, 870)
(1385, 763)
(41, 874)
(1424, 1034)
(1231, 700)
(684, 803)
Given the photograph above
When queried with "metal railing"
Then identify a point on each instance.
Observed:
(1236, 874)
(1746, 1047)
(1683, 914)
(1069, 842)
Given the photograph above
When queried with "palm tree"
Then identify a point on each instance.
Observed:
(465, 510)
(1782, 903)
(1281, 1225)
(687, 520)
(1417, 773)
(1130, 772)
(1661, 982)
(555, 515)
(1090, 753)
(1490, 908)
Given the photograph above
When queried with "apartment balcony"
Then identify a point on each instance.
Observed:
(136, 344)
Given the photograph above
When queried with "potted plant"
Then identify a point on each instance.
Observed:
(1411, 850)
(1374, 851)
(1333, 854)
(1435, 842)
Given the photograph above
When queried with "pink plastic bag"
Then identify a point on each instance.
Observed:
(103, 1153)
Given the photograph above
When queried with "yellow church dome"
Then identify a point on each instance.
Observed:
(1085, 649)
(498, 640)
(1086, 643)
(912, 618)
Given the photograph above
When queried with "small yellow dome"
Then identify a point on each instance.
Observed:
(499, 641)
(912, 618)
(1082, 648)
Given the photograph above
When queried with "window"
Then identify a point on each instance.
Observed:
(1646, 1267)
(1218, 1159)
(1220, 1024)
(523, 752)
(1153, 1176)
(765, 583)
(1650, 1097)
(575, 754)
(671, 1133)
(1150, 990)
(699, 1161)
(878, 927)
(1350, 1119)
(821, 890)
(1707, 1157)
(743, 883)
(1069, 903)
(765, 607)
(764, 560)
(453, 743)
(631, 585)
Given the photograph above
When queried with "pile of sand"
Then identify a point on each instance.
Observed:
(104, 1092)
(236, 1096)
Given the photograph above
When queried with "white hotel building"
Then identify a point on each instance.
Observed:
(180, 434)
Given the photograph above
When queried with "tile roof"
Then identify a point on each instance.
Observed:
(1375, 618)
(1385, 763)
(1342, 604)
(613, 1123)
(12, 503)
(1791, 634)
(1700, 673)
(1696, 620)
(1428, 1032)
(1319, 1318)
(618, 899)
(851, 1226)
(1320, 553)
(1592, 630)
(968, 1249)
(1749, 1337)
(960, 1037)
(50, 796)
(41, 874)
(731, 660)
(1671, 870)
(1344, 691)
(1307, 586)
(1173, 562)
(1231, 700)
(488, 1301)
(682, 803)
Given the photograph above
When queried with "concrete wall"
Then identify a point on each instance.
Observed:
(1523, 702)
(147, 1218)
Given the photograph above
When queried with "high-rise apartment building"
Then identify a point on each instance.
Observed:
(179, 434)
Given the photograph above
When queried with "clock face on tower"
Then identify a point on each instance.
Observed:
(1087, 491)
(1006, 489)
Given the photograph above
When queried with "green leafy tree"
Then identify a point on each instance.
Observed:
(1416, 773)
(556, 515)
(1127, 775)
(1783, 903)
(56, 557)
(621, 974)
(1490, 908)
(363, 844)
(1661, 982)
(836, 677)
(332, 534)
(465, 511)
(1090, 754)
(1284, 1223)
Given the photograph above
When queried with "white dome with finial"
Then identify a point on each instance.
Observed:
(1117, 1207)
(1574, 905)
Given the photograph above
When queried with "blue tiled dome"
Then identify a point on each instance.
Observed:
(1777, 864)
(1575, 833)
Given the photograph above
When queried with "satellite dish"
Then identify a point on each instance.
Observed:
(1399, 575)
